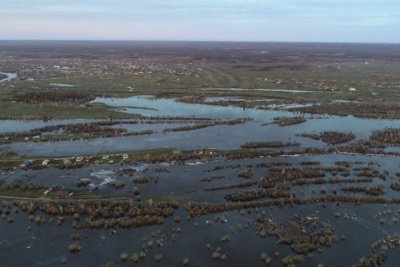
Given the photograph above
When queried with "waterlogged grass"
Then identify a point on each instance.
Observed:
(99, 104)
(39, 194)
(34, 111)
(96, 196)
(379, 110)
(9, 155)
(7, 193)
(12, 159)
(335, 79)
(160, 198)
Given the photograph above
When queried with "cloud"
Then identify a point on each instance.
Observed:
(324, 20)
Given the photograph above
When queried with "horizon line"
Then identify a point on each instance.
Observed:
(196, 41)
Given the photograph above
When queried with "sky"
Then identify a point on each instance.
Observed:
(371, 21)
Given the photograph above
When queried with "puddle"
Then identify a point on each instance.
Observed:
(10, 76)
(223, 98)
(262, 89)
(63, 85)
(104, 176)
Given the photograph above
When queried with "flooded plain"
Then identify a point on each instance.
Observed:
(231, 203)
(259, 127)
(199, 154)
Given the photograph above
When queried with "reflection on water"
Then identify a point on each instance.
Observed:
(10, 76)
(170, 107)
(220, 137)
(356, 222)
(263, 90)
(63, 85)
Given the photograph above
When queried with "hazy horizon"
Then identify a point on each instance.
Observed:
(196, 41)
(335, 21)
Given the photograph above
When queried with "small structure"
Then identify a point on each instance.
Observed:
(67, 163)
(176, 152)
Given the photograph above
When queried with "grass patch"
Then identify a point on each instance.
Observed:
(160, 198)
(34, 111)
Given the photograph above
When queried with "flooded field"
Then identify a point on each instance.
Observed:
(208, 128)
(7, 77)
(242, 184)
(130, 167)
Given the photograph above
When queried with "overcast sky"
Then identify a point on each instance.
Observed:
(225, 20)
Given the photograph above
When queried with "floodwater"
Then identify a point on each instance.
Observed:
(46, 244)
(359, 224)
(221, 136)
(263, 90)
(10, 76)
(169, 107)
(63, 85)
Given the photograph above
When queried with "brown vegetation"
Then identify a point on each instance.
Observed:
(372, 190)
(104, 214)
(287, 121)
(57, 96)
(387, 136)
(334, 138)
(304, 236)
(263, 144)
(230, 186)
